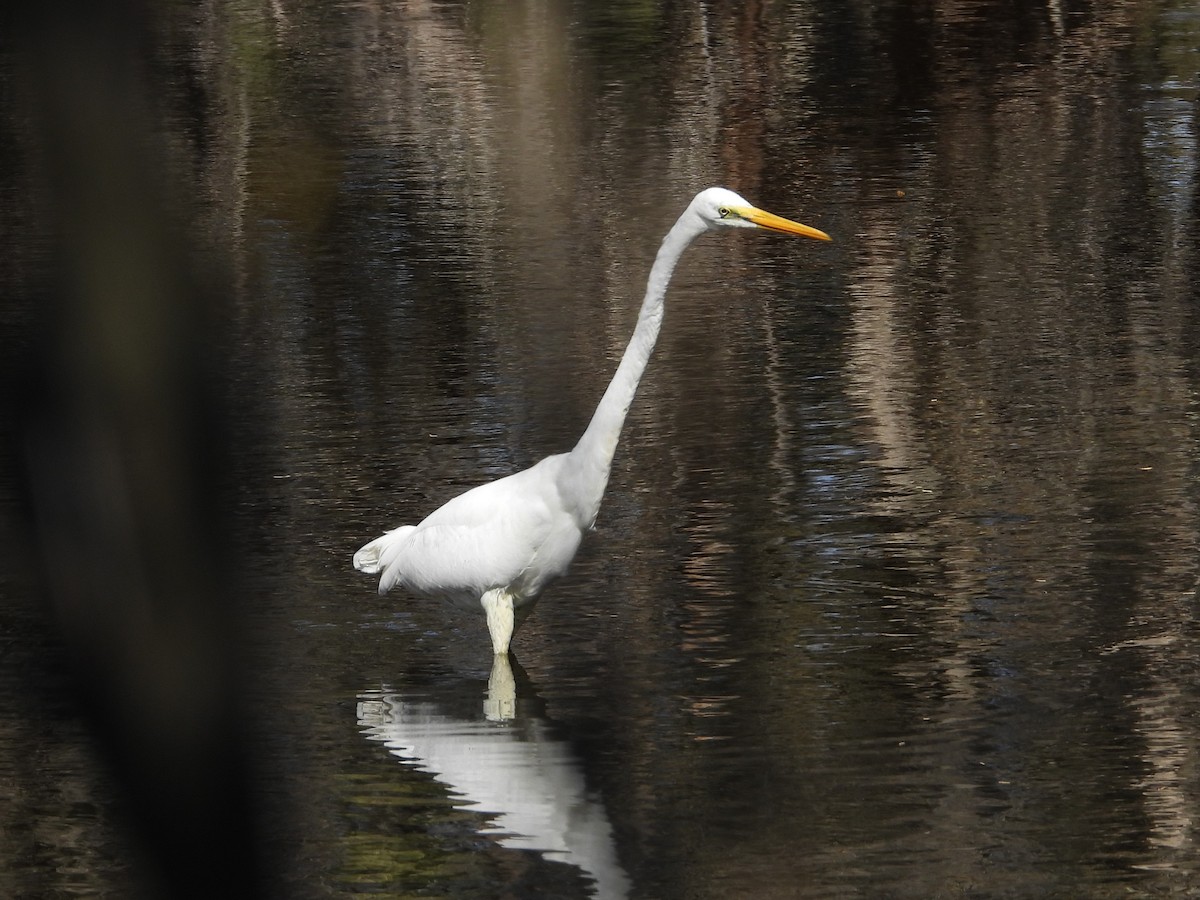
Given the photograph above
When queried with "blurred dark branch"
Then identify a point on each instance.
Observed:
(118, 443)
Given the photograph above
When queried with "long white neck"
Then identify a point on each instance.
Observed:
(591, 460)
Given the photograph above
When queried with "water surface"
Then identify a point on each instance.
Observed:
(894, 590)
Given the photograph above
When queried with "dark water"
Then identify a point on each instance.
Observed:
(894, 591)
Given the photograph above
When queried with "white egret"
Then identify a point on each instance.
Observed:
(501, 543)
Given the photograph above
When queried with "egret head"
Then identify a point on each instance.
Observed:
(718, 207)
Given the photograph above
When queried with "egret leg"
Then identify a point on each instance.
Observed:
(501, 702)
(498, 604)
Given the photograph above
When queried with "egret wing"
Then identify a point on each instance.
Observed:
(479, 540)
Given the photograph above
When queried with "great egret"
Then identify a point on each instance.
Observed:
(501, 543)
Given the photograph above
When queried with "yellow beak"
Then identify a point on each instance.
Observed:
(764, 219)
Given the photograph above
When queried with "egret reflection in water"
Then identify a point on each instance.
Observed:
(508, 762)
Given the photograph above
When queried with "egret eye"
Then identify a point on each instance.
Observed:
(723, 212)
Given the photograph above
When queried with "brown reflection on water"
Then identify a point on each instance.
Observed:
(1035, 413)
